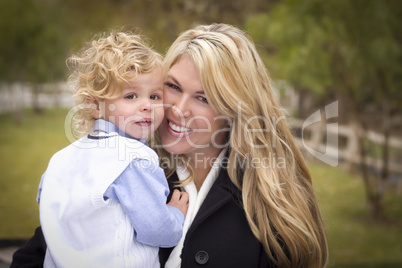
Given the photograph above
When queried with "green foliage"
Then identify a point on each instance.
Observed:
(32, 49)
(336, 47)
(38, 35)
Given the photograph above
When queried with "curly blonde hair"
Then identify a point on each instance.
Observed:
(100, 68)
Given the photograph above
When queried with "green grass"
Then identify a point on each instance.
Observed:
(354, 239)
(25, 151)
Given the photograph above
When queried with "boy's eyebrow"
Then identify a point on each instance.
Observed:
(177, 82)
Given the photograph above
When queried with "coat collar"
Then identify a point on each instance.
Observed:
(221, 193)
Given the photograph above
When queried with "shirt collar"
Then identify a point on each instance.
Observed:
(183, 173)
(101, 125)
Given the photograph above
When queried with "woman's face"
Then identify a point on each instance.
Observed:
(191, 127)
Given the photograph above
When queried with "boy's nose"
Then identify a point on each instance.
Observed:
(145, 105)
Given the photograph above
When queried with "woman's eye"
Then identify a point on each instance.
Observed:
(173, 86)
(203, 99)
(130, 96)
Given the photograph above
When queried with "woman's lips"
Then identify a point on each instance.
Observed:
(178, 130)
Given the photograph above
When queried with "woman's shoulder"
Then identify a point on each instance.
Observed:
(32, 254)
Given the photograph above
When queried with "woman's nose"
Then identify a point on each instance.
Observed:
(181, 108)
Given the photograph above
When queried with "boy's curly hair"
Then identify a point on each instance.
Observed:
(100, 68)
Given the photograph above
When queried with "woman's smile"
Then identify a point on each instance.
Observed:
(177, 129)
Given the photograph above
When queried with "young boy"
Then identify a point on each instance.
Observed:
(103, 198)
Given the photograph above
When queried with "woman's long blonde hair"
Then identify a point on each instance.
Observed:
(264, 161)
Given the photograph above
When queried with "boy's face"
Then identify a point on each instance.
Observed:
(138, 111)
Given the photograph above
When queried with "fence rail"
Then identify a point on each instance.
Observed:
(346, 151)
(14, 97)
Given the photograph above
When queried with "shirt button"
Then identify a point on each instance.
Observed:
(201, 257)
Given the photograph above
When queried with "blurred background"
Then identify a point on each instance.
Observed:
(336, 66)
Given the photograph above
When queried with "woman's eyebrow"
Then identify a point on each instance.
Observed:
(174, 80)
(177, 82)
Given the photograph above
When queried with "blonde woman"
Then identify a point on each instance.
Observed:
(224, 141)
(251, 197)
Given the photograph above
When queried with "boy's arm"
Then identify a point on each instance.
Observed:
(142, 191)
(32, 254)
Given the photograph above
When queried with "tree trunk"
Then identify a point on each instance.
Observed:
(35, 99)
(376, 207)
(17, 116)
(304, 103)
(372, 184)
(17, 102)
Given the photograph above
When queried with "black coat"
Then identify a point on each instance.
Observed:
(220, 235)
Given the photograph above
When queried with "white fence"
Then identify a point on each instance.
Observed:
(18, 96)
(316, 140)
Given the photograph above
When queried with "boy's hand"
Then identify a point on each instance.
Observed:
(179, 200)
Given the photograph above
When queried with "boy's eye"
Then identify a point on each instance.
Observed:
(173, 86)
(130, 96)
(155, 97)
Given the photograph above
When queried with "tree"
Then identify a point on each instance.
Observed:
(32, 49)
(351, 50)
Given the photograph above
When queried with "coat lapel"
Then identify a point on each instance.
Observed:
(221, 193)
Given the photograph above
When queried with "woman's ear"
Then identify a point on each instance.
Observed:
(230, 122)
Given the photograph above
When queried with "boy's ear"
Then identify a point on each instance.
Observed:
(93, 105)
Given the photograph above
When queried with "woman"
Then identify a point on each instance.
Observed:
(215, 75)
(225, 142)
